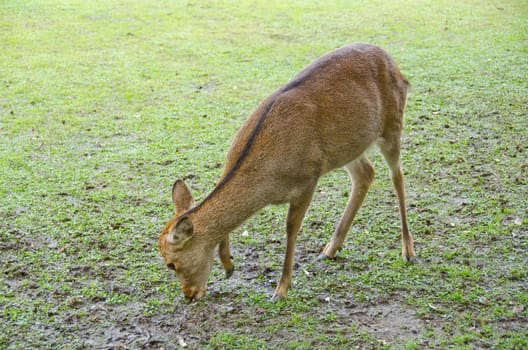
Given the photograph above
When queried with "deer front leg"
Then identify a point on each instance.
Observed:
(296, 213)
(224, 252)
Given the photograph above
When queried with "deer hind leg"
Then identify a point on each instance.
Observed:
(361, 174)
(296, 213)
(224, 252)
(390, 148)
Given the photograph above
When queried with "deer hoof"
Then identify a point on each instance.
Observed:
(276, 297)
(229, 272)
(411, 260)
(323, 257)
(281, 292)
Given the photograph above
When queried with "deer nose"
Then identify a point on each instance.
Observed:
(193, 294)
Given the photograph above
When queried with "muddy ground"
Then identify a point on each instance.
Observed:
(236, 308)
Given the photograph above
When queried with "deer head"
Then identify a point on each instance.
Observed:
(183, 248)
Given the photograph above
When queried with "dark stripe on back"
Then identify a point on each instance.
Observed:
(296, 82)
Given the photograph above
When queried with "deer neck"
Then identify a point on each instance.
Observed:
(226, 208)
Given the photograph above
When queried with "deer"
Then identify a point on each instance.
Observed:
(326, 117)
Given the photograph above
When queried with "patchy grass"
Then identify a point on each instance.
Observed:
(104, 104)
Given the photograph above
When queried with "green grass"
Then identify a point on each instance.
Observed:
(103, 104)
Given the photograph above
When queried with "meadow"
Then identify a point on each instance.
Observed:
(104, 104)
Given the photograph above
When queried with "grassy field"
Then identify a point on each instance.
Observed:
(103, 104)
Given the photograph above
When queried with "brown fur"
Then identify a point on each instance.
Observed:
(326, 117)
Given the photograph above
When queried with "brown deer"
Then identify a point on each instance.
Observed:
(326, 117)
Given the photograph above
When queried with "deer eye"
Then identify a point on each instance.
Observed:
(171, 266)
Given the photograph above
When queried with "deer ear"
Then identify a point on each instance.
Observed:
(181, 197)
(182, 232)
